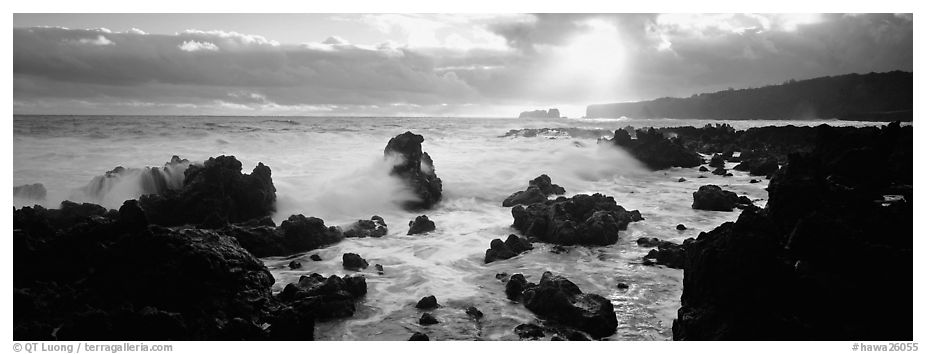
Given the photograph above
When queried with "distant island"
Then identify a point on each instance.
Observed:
(551, 113)
(865, 97)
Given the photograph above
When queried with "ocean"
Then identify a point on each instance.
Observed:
(333, 168)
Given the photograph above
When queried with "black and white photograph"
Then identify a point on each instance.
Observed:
(370, 175)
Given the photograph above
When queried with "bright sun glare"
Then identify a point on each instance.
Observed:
(593, 59)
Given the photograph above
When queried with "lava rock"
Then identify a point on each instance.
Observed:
(427, 319)
(667, 253)
(315, 258)
(474, 312)
(537, 190)
(720, 171)
(648, 242)
(682, 179)
(415, 168)
(623, 286)
(512, 246)
(582, 219)
(353, 261)
(717, 161)
(790, 271)
(529, 331)
(754, 181)
(379, 269)
(325, 298)
(418, 336)
(711, 197)
(295, 265)
(681, 227)
(558, 299)
(375, 227)
(217, 186)
(655, 150)
(515, 286)
(703, 169)
(427, 303)
(420, 225)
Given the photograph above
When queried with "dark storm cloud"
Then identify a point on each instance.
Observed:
(663, 55)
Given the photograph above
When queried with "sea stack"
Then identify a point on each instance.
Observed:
(415, 168)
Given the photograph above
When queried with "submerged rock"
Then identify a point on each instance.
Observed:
(427, 319)
(711, 197)
(655, 150)
(375, 227)
(35, 191)
(420, 225)
(418, 336)
(537, 190)
(216, 187)
(295, 265)
(353, 261)
(474, 312)
(512, 246)
(427, 303)
(558, 299)
(582, 219)
(415, 168)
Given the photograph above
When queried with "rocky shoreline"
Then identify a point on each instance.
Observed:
(181, 262)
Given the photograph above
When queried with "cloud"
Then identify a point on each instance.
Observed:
(99, 41)
(447, 64)
(194, 46)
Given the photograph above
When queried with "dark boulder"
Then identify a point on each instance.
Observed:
(420, 225)
(512, 246)
(537, 190)
(427, 303)
(427, 319)
(315, 258)
(131, 216)
(717, 161)
(295, 265)
(216, 187)
(648, 242)
(415, 168)
(35, 191)
(680, 227)
(302, 233)
(711, 197)
(667, 253)
(515, 286)
(655, 150)
(375, 227)
(418, 336)
(474, 313)
(582, 219)
(326, 298)
(703, 169)
(720, 171)
(353, 261)
(558, 299)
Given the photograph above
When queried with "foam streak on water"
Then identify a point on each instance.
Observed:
(333, 168)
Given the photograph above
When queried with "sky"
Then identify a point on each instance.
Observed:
(426, 64)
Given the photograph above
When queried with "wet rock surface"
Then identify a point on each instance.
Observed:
(538, 190)
(791, 271)
(655, 150)
(512, 246)
(216, 187)
(712, 197)
(415, 168)
(558, 299)
(582, 219)
(125, 280)
(375, 227)
(421, 225)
